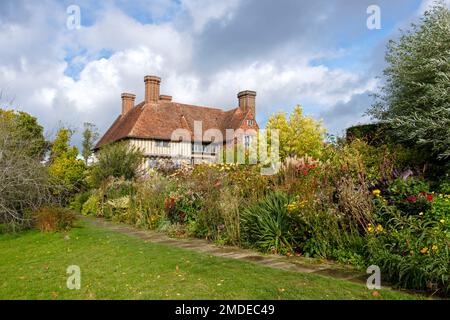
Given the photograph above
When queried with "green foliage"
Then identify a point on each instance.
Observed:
(329, 235)
(415, 99)
(445, 188)
(54, 219)
(65, 168)
(374, 134)
(412, 252)
(25, 127)
(268, 226)
(409, 195)
(24, 181)
(149, 203)
(299, 136)
(440, 210)
(68, 170)
(327, 208)
(79, 200)
(61, 145)
(116, 160)
(90, 135)
(91, 206)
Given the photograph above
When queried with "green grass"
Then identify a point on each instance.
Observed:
(117, 266)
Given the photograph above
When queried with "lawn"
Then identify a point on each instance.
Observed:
(117, 266)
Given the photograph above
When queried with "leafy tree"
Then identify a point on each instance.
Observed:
(25, 127)
(60, 146)
(65, 167)
(116, 160)
(299, 135)
(415, 99)
(90, 135)
(24, 182)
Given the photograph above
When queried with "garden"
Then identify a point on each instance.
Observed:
(378, 195)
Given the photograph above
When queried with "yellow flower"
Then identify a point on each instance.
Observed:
(379, 228)
(421, 214)
(434, 247)
(369, 227)
(442, 221)
(376, 192)
(424, 250)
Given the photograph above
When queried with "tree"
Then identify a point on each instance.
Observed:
(65, 167)
(116, 160)
(24, 180)
(26, 128)
(299, 135)
(90, 135)
(415, 99)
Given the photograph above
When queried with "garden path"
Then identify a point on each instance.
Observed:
(293, 263)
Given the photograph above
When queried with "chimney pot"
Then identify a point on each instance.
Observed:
(152, 89)
(247, 100)
(127, 102)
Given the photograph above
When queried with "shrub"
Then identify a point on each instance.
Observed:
(91, 206)
(118, 160)
(412, 252)
(229, 207)
(440, 210)
(409, 195)
(54, 219)
(148, 205)
(268, 226)
(79, 200)
(445, 188)
(375, 134)
(345, 180)
(326, 234)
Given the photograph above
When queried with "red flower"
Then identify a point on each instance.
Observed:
(305, 172)
(170, 203)
(312, 166)
(430, 197)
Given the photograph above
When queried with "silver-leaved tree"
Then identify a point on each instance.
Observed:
(415, 97)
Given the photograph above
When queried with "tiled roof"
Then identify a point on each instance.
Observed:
(159, 121)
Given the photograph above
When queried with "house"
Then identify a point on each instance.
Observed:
(162, 128)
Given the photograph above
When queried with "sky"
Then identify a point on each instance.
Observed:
(319, 54)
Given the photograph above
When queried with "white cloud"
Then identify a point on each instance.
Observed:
(32, 68)
(204, 11)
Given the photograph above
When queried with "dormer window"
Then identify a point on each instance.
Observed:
(250, 123)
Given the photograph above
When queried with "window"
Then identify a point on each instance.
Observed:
(204, 148)
(161, 143)
(247, 141)
(197, 147)
(250, 123)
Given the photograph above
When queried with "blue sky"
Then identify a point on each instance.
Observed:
(319, 54)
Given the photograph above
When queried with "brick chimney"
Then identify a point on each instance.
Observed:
(127, 102)
(152, 89)
(247, 101)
